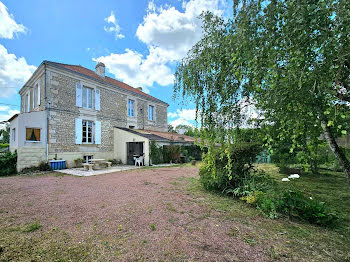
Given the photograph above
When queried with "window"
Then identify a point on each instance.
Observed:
(87, 132)
(35, 94)
(150, 113)
(131, 105)
(87, 97)
(33, 134)
(87, 158)
(13, 134)
(26, 104)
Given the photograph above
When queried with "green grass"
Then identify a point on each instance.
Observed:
(283, 238)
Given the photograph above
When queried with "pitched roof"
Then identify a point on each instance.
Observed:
(150, 136)
(173, 137)
(89, 73)
(161, 136)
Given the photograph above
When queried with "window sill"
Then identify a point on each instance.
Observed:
(33, 141)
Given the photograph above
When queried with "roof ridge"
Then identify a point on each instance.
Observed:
(106, 79)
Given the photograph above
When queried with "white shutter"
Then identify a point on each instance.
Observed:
(97, 99)
(78, 131)
(28, 102)
(98, 133)
(38, 94)
(78, 95)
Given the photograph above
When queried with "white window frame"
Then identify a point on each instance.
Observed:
(34, 96)
(87, 131)
(85, 102)
(149, 107)
(14, 134)
(30, 141)
(131, 110)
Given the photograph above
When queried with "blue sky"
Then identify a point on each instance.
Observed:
(139, 41)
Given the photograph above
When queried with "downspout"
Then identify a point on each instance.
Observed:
(47, 116)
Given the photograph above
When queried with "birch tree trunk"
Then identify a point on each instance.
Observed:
(339, 154)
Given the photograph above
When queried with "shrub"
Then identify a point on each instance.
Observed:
(295, 204)
(8, 163)
(225, 168)
(44, 166)
(156, 153)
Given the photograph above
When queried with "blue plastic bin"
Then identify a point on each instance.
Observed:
(57, 164)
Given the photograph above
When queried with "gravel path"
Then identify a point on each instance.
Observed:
(157, 218)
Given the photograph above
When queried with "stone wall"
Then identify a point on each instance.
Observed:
(30, 156)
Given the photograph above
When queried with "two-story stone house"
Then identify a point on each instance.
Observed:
(70, 112)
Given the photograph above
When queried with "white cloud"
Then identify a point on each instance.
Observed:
(14, 72)
(180, 121)
(7, 114)
(114, 28)
(8, 26)
(168, 34)
(183, 116)
(187, 114)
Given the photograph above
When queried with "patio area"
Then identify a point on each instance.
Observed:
(83, 172)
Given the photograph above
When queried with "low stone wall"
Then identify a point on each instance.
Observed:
(30, 156)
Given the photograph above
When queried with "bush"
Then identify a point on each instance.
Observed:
(8, 164)
(295, 204)
(2, 146)
(44, 166)
(224, 169)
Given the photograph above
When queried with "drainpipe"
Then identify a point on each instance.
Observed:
(47, 116)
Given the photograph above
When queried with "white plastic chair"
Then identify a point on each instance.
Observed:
(139, 160)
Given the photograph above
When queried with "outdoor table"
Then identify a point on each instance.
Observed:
(97, 162)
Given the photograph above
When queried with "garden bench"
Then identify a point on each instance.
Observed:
(88, 166)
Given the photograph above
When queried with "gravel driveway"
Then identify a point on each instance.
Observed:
(144, 215)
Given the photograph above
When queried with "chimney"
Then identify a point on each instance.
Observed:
(100, 69)
(139, 88)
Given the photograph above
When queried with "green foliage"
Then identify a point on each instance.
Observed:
(290, 59)
(5, 135)
(225, 168)
(8, 163)
(153, 227)
(2, 146)
(156, 153)
(295, 204)
(31, 227)
(174, 153)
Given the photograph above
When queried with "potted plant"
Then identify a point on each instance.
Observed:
(78, 162)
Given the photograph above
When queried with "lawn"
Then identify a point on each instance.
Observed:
(160, 214)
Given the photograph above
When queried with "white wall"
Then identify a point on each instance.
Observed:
(29, 153)
(122, 137)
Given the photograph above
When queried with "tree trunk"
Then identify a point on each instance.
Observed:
(339, 154)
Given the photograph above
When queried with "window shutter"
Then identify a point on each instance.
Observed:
(98, 133)
(28, 102)
(78, 131)
(78, 95)
(97, 99)
(39, 97)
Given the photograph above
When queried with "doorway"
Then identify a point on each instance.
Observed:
(134, 149)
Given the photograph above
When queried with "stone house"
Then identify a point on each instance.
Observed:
(70, 112)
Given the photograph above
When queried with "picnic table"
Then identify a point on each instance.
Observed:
(97, 162)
